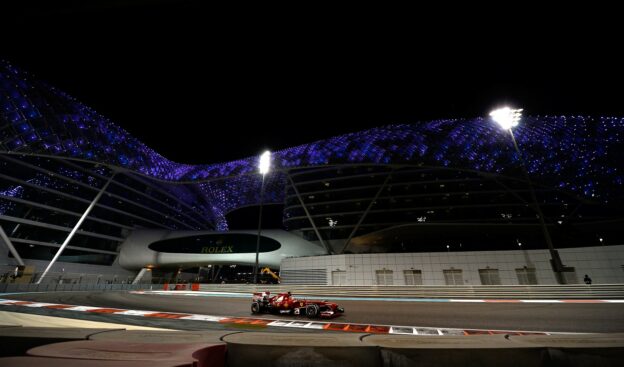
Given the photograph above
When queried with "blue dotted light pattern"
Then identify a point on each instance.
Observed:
(576, 153)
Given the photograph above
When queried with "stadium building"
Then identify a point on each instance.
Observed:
(437, 202)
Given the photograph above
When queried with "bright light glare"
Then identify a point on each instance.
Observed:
(506, 117)
(265, 162)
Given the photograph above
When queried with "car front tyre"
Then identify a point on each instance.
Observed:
(312, 311)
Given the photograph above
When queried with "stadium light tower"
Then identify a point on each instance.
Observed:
(263, 166)
(508, 118)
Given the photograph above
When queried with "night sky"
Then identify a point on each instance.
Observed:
(170, 72)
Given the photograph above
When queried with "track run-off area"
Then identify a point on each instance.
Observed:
(187, 310)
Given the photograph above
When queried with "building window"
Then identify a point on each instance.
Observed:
(526, 276)
(384, 277)
(339, 277)
(453, 277)
(489, 276)
(413, 277)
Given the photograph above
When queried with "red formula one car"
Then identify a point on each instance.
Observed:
(285, 303)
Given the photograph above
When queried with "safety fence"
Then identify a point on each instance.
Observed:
(597, 291)
(67, 287)
(9, 274)
(56, 287)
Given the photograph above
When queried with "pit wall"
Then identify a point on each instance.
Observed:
(603, 264)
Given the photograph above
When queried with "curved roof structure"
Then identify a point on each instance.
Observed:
(577, 154)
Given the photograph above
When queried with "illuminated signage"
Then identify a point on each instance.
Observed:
(216, 250)
(215, 243)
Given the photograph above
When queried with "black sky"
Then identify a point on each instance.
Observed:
(203, 85)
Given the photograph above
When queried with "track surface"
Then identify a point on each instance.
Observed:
(496, 316)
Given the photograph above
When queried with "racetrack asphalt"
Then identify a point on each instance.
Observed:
(549, 317)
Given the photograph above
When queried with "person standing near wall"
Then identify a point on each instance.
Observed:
(587, 279)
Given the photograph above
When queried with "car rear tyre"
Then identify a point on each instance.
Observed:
(312, 311)
(255, 307)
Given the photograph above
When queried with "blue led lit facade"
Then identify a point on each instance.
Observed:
(461, 172)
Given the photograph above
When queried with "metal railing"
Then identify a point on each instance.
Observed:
(597, 291)
(7, 276)
(80, 281)
(67, 278)
(576, 291)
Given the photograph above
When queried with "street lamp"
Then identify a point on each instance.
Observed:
(263, 166)
(507, 118)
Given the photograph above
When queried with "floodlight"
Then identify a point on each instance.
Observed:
(506, 117)
(265, 162)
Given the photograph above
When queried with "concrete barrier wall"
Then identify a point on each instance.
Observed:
(497, 350)
(17, 340)
(290, 349)
(296, 349)
(339, 349)
(481, 350)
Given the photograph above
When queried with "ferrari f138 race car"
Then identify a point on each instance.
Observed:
(285, 303)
